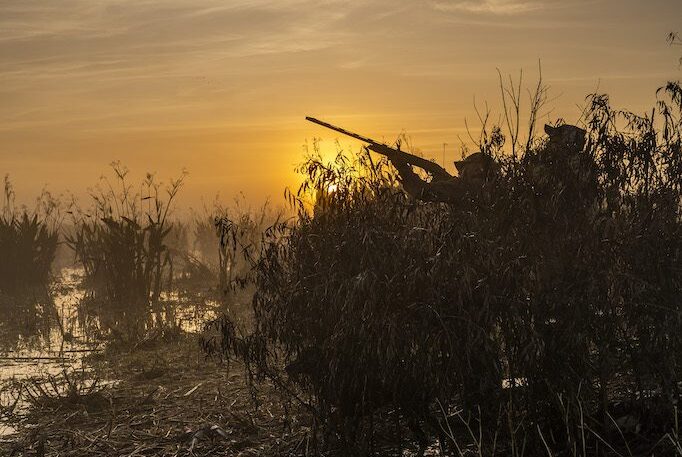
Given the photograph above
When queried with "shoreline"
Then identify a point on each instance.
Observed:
(168, 399)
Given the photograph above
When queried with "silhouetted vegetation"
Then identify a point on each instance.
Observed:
(205, 235)
(121, 243)
(535, 314)
(539, 316)
(28, 242)
(240, 233)
(222, 235)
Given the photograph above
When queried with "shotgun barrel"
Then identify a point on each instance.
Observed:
(392, 153)
(364, 139)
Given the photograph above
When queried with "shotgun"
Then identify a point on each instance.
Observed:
(392, 153)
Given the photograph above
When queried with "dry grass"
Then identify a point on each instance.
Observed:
(167, 400)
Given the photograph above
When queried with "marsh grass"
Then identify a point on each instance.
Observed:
(28, 242)
(240, 233)
(205, 235)
(122, 244)
(69, 389)
(538, 317)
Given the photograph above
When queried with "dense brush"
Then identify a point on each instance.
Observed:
(547, 306)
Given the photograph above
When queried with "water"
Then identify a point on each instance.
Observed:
(42, 335)
(54, 333)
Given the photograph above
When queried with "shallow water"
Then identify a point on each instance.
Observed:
(44, 336)
(51, 335)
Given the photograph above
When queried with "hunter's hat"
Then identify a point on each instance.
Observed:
(566, 134)
(475, 158)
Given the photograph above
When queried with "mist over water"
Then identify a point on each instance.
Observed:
(55, 333)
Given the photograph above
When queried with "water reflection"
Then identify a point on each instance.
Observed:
(66, 323)
(24, 321)
(52, 333)
(39, 336)
(182, 311)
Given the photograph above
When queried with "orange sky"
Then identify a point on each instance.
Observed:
(221, 87)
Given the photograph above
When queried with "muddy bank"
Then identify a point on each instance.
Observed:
(164, 398)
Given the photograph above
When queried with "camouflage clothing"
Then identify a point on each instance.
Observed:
(474, 171)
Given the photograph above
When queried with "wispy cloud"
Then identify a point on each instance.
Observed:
(96, 43)
(92, 80)
(498, 7)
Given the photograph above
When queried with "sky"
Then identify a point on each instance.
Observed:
(221, 87)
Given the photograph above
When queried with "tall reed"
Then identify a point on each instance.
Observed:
(28, 242)
(121, 241)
